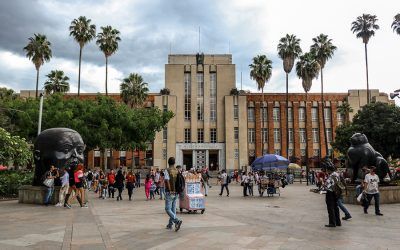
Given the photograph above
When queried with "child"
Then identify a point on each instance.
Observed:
(153, 189)
(147, 185)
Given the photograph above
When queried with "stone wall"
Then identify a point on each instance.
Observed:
(35, 195)
(388, 195)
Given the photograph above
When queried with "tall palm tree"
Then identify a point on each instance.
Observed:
(57, 82)
(39, 51)
(134, 90)
(323, 50)
(396, 24)
(344, 111)
(365, 27)
(107, 40)
(307, 68)
(288, 50)
(261, 71)
(83, 32)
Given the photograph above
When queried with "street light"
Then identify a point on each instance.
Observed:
(395, 94)
(40, 113)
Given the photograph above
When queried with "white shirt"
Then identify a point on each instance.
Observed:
(372, 183)
(224, 177)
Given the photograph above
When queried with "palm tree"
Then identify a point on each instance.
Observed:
(83, 32)
(134, 90)
(323, 50)
(344, 111)
(57, 82)
(261, 71)
(288, 50)
(107, 40)
(39, 51)
(307, 69)
(396, 24)
(365, 27)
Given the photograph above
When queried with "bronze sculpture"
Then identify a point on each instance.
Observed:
(362, 154)
(61, 147)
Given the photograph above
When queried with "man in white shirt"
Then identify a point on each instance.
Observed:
(371, 184)
(224, 182)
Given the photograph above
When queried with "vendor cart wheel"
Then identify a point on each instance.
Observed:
(202, 211)
(181, 210)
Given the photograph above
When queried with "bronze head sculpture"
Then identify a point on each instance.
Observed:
(61, 147)
(362, 154)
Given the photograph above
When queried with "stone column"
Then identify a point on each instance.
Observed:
(271, 147)
(194, 158)
(258, 142)
(207, 158)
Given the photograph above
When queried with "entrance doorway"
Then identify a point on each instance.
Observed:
(213, 160)
(187, 159)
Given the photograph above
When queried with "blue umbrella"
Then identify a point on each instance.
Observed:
(270, 162)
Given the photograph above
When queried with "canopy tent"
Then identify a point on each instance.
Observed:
(294, 166)
(270, 162)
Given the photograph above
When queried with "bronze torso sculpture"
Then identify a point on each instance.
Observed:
(362, 154)
(60, 147)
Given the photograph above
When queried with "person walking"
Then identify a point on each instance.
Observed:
(147, 185)
(119, 184)
(162, 185)
(371, 184)
(225, 180)
(49, 177)
(204, 181)
(130, 183)
(174, 186)
(137, 175)
(331, 199)
(79, 179)
(250, 183)
(245, 183)
(111, 182)
(64, 187)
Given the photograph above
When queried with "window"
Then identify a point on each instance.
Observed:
(164, 153)
(165, 134)
(330, 152)
(187, 135)
(314, 114)
(236, 134)
(187, 96)
(316, 152)
(200, 109)
(315, 135)
(329, 135)
(265, 135)
(264, 112)
(302, 133)
(327, 113)
(277, 135)
(303, 152)
(213, 97)
(290, 114)
(213, 135)
(290, 152)
(165, 108)
(290, 135)
(251, 135)
(200, 135)
(250, 114)
(277, 151)
(302, 114)
(200, 85)
(235, 112)
(236, 153)
(275, 114)
(339, 117)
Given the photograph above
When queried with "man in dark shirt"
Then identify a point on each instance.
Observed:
(172, 194)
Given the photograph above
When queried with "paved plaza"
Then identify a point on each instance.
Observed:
(293, 221)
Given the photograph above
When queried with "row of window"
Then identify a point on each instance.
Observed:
(276, 114)
(200, 135)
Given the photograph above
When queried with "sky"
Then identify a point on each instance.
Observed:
(151, 29)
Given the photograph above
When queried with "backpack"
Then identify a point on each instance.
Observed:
(338, 186)
(228, 179)
(180, 183)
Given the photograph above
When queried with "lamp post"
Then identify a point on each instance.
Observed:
(40, 113)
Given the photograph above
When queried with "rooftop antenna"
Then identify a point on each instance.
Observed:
(199, 39)
(241, 78)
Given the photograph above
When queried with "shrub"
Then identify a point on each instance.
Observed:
(11, 180)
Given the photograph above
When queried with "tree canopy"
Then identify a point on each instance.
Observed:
(14, 149)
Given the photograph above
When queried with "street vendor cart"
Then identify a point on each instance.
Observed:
(192, 198)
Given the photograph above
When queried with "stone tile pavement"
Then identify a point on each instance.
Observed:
(293, 221)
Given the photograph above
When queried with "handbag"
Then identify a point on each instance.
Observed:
(48, 183)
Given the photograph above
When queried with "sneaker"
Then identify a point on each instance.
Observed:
(169, 227)
(178, 226)
(365, 211)
(379, 214)
(84, 206)
(67, 205)
(58, 205)
(227, 195)
(346, 217)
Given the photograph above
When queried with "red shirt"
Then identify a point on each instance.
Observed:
(130, 178)
(111, 178)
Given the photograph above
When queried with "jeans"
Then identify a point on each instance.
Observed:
(130, 186)
(368, 202)
(250, 187)
(89, 185)
(222, 188)
(49, 193)
(111, 190)
(170, 208)
(245, 188)
(342, 207)
(162, 192)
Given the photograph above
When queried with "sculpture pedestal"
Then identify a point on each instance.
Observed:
(388, 195)
(35, 195)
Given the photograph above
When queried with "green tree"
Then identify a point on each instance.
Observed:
(107, 40)
(134, 90)
(365, 27)
(396, 24)
(307, 68)
(345, 109)
(38, 51)
(57, 82)
(323, 50)
(288, 50)
(83, 32)
(380, 122)
(261, 71)
(13, 149)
